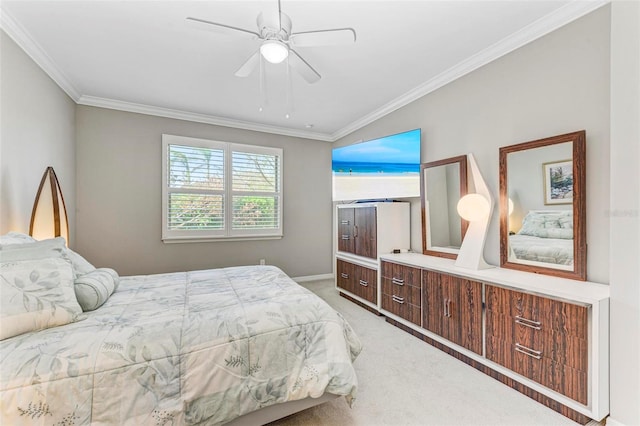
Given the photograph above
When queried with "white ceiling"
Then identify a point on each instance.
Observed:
(141, 56)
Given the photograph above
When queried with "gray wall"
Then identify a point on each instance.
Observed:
(119, 198)
(556, 84)
(37, 122)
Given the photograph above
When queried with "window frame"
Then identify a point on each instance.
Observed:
(227, 233)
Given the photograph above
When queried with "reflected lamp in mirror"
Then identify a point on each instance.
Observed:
(442, 184)
(476, 208)
(49, 214)
(546, 232)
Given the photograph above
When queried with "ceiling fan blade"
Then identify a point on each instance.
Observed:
(303, 68)
(249, 65)
(323, 37)
(220, 28)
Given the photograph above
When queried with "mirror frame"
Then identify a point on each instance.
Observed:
(462, 162)
(579, 206)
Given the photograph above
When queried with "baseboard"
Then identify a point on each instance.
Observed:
(313, 278)
(613, 422)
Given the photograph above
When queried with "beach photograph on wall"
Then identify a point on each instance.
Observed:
(378, 169)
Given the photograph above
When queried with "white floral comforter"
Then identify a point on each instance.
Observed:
(547, 250)
(198, 347)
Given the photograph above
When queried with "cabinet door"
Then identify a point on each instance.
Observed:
(464, 313)
(452, 308)
(346, 226)
(433, 300)
(365, 232)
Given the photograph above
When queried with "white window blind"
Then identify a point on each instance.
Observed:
(220, 190)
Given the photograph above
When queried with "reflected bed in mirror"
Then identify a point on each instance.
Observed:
(442, 184)
(542, 206)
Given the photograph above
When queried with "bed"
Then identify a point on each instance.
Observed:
(546, 236)
(199, 347)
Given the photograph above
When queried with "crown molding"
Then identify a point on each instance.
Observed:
(198, 118)
(543, 26)
(22, 38)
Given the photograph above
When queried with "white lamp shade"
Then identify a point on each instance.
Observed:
(49, 214)
(274, 51)
(473, 207)
(510, 206)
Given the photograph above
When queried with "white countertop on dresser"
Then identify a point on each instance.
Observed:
(563, 288)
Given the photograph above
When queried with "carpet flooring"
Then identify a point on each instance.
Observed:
(405, 381)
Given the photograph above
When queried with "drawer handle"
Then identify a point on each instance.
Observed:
(397, 281)
(364, 283)
(528, 351)
(447, 308)
(344, 222)
(528, 323)
(343, 275)
(355, 231)
(398, 299)
(345, 237)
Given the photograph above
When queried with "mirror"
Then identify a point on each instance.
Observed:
(442, 184)
(542, 206)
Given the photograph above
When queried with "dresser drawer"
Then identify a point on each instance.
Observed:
(402, 308)
(344, 275)
(524, 361)
(558, 347)
(358, 280)
(408, 293)
(401, 274)
(542, 313)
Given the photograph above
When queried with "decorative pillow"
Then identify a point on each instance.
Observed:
(54, 247)
(44, 249)
(94, 288)
(80, 264)
(16, 238)
(36, 294)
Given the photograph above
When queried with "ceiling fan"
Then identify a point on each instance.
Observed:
(277, 41)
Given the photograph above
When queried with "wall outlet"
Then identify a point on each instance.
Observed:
(262, 261)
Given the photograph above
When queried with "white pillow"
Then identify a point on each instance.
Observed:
(44, 249)
(80, 264)
(36, 294)
(94, 288)
(54, 247)
(16, 238)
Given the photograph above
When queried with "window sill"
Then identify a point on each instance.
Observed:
(220, 239)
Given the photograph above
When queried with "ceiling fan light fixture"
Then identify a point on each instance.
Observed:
(274, 51)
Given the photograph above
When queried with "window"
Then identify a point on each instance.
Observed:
(219, 190)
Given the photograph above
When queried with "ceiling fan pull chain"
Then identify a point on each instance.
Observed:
(264, 100)
(289, 90)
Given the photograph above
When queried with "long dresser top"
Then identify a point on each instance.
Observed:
(562, 288)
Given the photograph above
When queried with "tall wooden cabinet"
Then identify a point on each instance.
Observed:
(364, 231)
